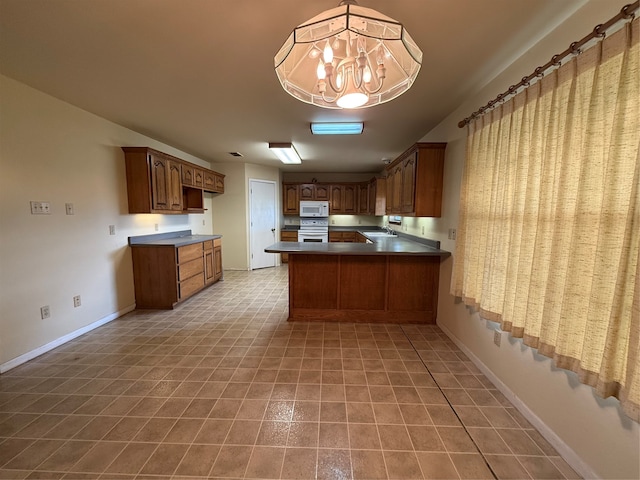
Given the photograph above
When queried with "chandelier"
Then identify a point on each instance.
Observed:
(348, 57)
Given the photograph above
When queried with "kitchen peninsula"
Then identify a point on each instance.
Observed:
(392, 280)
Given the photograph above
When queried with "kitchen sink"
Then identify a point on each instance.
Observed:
(380, 234)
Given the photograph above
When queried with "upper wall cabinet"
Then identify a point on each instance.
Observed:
(414, 181)
(160, 183)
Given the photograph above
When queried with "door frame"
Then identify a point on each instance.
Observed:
(275, 213)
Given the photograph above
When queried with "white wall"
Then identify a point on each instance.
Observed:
(231, 210)
(594, 434)
(54, 152)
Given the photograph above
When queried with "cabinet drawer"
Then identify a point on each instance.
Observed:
(217, 242)
(208, 245)
(190, 268)
(191, 285)
(189, 252)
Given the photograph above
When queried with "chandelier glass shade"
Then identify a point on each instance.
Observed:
(348, 57)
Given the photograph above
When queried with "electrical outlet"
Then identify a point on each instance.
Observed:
(69, 208)
(76, 301)
(40, 208)
(45, 312)
(155, 227)
(112, 229)
(452, 234)
(497, 337)
(423, 230)
(203, 223)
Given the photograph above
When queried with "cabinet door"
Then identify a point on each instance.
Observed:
(307, 191)
(188, 175)
(175, 186)
(363, 203)
(217, 262)
(336, 202)
(160, 184)
(209, 270)
(219, 179)
(290, 199)
(198, 177)
(350, 199)
(287, 236)
(394, 190)
(321, 192)
(335, 236)
(409, 183)
(372, 198)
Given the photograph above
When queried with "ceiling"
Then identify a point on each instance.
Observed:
(199, 75)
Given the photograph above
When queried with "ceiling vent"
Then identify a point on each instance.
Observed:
(235, 154)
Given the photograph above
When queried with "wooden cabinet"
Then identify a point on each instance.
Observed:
(343, 199)
(209, 271)
(213, 182)
(360, 238)
(363, 199)
(377, 197)
(192, 176)
(166, 186)
(349, 237)
(287, 236)
(290, 199)
(372, 197)
(414, 181)
(314, 191)
(217, 259)
(165, 275)
(160, 183)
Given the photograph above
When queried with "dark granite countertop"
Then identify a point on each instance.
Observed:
(171, 239)
(397, 245)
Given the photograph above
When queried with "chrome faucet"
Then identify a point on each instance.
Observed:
(389, 230)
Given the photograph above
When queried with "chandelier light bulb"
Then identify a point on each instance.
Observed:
(366, 75)
(320, 72)
(328, 53)
(314, 53)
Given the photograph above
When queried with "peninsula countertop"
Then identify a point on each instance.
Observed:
(396, 245)
(175, 239)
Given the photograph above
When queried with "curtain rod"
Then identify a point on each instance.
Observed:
(626, 12)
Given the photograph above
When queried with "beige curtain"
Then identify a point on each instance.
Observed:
(549, 234)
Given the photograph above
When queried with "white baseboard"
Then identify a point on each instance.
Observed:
(566, 452)
(13, 363)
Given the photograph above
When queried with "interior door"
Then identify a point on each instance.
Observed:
(262, 226)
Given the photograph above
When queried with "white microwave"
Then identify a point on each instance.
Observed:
(314, 209)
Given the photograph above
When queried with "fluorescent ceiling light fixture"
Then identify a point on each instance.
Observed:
(285, 152)
(335, 128)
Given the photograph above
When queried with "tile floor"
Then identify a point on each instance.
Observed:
(224, 387)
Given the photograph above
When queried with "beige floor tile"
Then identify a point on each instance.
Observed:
(402, 465)
(364, 436)
(436, 466)
(334, 464)
(265, 462)
(540, 467)
(132, 458)
(471, 466)
(394, 437)
(165, 459)
(231, 461)
(299, 463)
(507, 467)
(198, 460)
(368, 464)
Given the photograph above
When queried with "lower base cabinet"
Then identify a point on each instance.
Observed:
(287, 236)
(363, 288)
(165, 275)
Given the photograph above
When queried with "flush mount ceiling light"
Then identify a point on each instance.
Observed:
(348, 57)
(335, 128)
(285, 152)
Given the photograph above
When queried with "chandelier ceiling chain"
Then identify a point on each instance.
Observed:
(348, 57)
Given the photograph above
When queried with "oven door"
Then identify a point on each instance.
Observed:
(310, 236)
